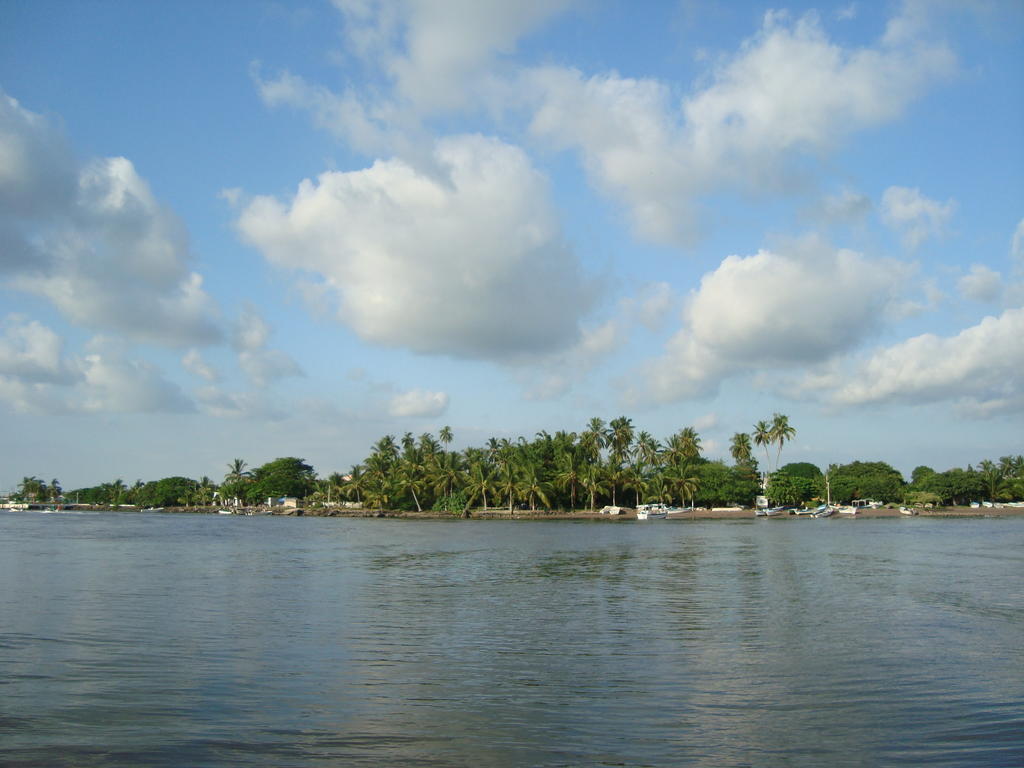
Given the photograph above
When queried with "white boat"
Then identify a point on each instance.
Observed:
(825, 510)
(651, 512)
(847, 510)
(224, 512)
(907, 511)
(609, 510)
(768, 512)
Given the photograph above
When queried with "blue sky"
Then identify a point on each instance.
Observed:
(259, 229)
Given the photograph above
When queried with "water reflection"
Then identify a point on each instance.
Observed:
(156, 640)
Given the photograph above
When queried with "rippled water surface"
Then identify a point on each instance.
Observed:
(134, 640)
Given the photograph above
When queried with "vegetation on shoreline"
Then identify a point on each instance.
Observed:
(603, 464)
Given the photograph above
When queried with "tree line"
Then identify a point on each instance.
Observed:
(605, 463)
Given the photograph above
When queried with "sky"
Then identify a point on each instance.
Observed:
(262, 229)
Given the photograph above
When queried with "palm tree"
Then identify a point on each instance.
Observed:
(781, 432)
(764, 436)
(593, 439)
(531, 487)
(236, 471)
(446, 435)
(447, 472)
(615, 473)
(478, 481)
(633, 478)
(386, 449)
(621, 437)
(409, 479)
(356, 483)
(994, 477)
(683, 446)
(205, 490)
(648, 449)
(657, 488)
(507, 485)
(567, 474)
(741, 448)
(592, 479)
(685, 485)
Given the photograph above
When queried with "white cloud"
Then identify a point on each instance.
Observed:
(262, 365)
(914, 215)
(239, 405)
(31, 352)
(980, 368)
(845, 206)
(94, 240)
(981, 283)
(1017, 245)
(116, 384)
(193, 362)
(419, 59)
(104, 380)
(418, 403)
(775, 309)
(470, 264)
(788, 90)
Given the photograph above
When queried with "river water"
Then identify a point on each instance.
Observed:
(180, 640)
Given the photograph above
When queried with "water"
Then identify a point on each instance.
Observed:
(150, 640)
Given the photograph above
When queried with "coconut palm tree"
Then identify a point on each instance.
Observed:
(648, 449)
(507, 485)
(356, 483)
(410, 479)
(764, 436)
(532, 487)
(680, 479)
(633, 478)
(781, 432)
(615, 474)
(478, 481)
(740, 448)
(593, 438)
(567, 474)
(593, 481)
(621, 437)
(446, 435)
(237, 471)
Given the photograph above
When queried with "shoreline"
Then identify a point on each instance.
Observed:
(587, 515)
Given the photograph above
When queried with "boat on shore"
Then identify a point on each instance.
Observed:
(651, 512)
(769, 512)
(825, 510)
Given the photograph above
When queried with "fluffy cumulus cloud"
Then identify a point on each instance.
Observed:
(774, 310)
(915, 216)
(468, 262)
(789, 89)
(94, 240)
(418, 403)
(981, 369)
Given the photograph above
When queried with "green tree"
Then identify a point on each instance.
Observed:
(287, 476)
